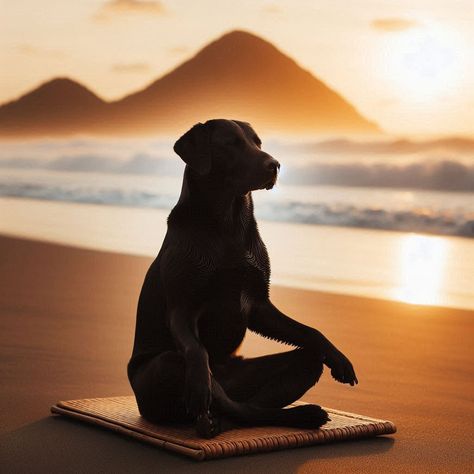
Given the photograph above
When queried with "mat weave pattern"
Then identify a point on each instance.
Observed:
(120, 414)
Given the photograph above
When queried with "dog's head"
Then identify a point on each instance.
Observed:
(228, 151)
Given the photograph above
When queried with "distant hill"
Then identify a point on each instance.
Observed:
(58, 107)
(237, 76)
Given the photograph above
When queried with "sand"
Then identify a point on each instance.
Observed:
(66, 329)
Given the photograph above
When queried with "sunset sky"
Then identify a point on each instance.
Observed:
(406, 64)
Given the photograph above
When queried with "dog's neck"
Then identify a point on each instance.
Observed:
(216, 201)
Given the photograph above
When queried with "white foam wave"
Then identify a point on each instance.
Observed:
(453, 222)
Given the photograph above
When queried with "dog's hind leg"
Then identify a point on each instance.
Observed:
(158, 385)
(159, 391)
(244, 413)
(296, 376)
(254, 391)
(274, 380)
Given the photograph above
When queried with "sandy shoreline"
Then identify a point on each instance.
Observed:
(66, 329)
(370, 263)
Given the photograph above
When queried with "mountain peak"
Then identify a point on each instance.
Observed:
(237, 75)
(57, 106)
(63, 89)
(239, 43)
(240, 37)
(242, 75)
(62, 81)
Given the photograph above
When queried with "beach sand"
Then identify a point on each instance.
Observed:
(66, 332)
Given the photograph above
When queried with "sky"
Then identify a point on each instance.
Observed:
(406, 64)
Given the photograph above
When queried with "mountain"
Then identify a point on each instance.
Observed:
(57, 107)
(237, 76)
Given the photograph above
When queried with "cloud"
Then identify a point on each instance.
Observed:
(131, 68)
(114, 8)
(30, 50)
(179, 50)
(393, 24)
(271, 9)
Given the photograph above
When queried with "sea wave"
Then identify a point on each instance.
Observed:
(136, 163)
(392, 184)
(452, 222)
(346, 215)
(446, 172)
(433, 174)
(456, 145)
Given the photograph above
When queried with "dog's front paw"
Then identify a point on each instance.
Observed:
(341, 367)
(208, 425)
(197, 397)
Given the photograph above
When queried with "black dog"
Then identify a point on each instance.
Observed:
(209, 283)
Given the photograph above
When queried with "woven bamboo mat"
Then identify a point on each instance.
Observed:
(120, 414)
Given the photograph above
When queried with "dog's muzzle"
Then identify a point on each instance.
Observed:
(272, 166)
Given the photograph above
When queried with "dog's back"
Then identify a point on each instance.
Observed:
(152, 335)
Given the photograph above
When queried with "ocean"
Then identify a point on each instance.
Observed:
(425, 187)
(391, 220)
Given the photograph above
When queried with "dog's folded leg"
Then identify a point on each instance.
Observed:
(235, 413)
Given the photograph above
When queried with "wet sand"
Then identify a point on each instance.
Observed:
(66, 330)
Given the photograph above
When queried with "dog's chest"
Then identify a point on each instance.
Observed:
(222, 324)
(226, 308)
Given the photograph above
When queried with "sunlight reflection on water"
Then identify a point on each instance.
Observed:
(422, 269)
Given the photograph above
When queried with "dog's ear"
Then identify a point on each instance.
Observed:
(194, 148)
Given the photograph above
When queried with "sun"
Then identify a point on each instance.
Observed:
(422, 63)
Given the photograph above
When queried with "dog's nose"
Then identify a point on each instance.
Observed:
(273, 165)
